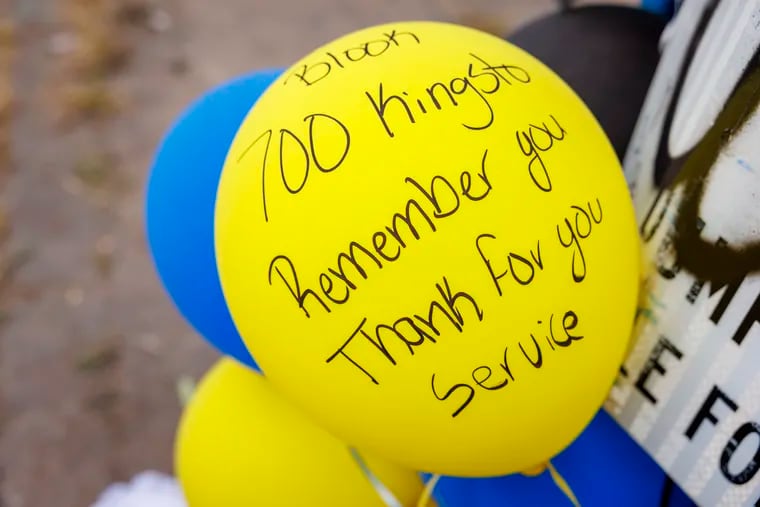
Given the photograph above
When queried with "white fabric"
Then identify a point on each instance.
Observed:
(147, 489)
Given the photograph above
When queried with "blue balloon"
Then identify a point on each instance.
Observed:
(604, 466)
(181, 196)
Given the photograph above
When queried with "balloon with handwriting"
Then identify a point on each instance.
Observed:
(427, 242)
(239, 443)
(179, 209)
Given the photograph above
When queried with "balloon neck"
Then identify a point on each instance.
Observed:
(536, 470)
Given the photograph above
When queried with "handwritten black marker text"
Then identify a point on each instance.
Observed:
(480, 80)
(311, 73)
(439, 199)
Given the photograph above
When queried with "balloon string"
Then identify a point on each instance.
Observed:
(562, 484)
(427, 493)
(386, 495)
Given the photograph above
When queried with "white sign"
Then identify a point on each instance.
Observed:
(689, 391)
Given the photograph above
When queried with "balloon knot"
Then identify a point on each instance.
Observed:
(559, 481)
(536, 470)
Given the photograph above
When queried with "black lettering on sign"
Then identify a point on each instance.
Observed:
(665, 271)
(522, 268)
(696, 287)
(311, 73)
(689, 177)
(294, 177)
(666, 247)
(654, 364)
(398, 106)
(573, 230)
(750, 319)
(438, 200)
(533, 143)
(411, 330)
(750, 469)
(647, 229)
(705, 411)
(731, 288)
(533, 354)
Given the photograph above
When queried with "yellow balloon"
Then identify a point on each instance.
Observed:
(426, 240)
(240, 444)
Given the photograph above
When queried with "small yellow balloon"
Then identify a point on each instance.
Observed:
(426, 240)
(240, 444)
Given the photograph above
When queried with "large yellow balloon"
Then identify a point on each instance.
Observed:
(239, 444)
(426, 240)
